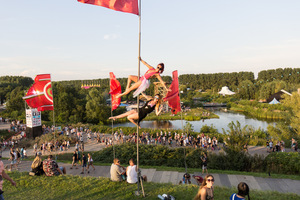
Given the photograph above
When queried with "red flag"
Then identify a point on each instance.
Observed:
(115, 89)
(129, 6)
(40, 94)
(173, 96)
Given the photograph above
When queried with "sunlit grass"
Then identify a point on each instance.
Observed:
(75, 187)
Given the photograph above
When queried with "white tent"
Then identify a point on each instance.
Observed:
(225, 91)
(274, 101)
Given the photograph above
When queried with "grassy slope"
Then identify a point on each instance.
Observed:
(75, 187)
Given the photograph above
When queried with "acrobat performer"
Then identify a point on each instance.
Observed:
(151, 104)
(143, 83)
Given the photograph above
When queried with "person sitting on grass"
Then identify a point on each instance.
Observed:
(131, 172)
(243, 191)
(186, 179)
(37, 165)
(116, 171)
(206, 190)
(51, 168)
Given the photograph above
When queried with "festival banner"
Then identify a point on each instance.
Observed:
(173, 96)
(129, 6)
(115, 89)
(40, 94)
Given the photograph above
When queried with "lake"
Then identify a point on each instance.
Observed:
(222, 122)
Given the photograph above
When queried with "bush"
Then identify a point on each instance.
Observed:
(283, 162)
(159, 155)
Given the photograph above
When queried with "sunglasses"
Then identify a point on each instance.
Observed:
(210, 180)
(156, 97)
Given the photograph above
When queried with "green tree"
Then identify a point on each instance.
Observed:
(96, 109)
(236, 137)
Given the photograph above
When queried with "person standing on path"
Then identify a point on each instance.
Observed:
(204, 163)
(84, 162)
(90, 162)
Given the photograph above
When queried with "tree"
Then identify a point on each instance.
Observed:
(236, 137)
(96, 109)
(293, 103)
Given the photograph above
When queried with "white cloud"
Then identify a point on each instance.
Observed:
(111, 36)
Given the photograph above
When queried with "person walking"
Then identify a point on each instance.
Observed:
(90, 162)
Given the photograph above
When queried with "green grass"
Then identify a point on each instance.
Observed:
(75, 187)
(67, 158)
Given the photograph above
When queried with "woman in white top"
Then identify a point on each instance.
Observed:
(131, 172)
(90, 162)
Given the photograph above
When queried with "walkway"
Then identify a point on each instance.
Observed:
(257, 183)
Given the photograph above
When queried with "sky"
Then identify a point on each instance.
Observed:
(75, 41)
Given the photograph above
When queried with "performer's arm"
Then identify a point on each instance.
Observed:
(148, 98)
(158, 110)
(149, 66)
(162, 82)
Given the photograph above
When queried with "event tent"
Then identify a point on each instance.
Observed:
(225, 91)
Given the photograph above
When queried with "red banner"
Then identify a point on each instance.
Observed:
(173, 96)
(115, 89)
(40, 94)
(129, 6)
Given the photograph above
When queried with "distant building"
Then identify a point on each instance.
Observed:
(277, 96)
(225, 91)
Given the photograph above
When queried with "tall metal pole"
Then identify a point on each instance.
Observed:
(138, 102)
(112, 132)
(53, 119)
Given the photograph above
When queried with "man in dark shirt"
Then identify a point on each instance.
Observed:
(84, 162)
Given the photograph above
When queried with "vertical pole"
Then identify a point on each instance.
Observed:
(138, 103)
(53, 119)
(138, 100)
(112, 132)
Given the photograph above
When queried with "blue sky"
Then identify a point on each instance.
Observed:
(75, 41)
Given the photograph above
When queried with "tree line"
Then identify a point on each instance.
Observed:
(74, 104)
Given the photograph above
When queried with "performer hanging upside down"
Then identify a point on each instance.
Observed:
(151, 104)
(143, 83)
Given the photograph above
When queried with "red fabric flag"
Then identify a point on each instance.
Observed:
(173, 96)
(115, 89)
(40, 94)
(129, 6)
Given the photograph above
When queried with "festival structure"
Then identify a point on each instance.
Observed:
(39, 98)
(225, 91)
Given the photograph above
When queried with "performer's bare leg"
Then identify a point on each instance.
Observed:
(133, 87)
(132, 118)
(123, 115)
(130, 79)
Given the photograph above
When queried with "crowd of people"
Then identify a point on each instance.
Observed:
(279, 146)
(163, 138)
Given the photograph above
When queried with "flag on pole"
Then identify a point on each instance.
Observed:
(40, 94)
(115, 89)
(173, 96)
(129, 6)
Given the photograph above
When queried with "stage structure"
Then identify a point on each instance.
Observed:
(160, 89)
(33, 123)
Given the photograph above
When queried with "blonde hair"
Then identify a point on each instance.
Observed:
(159, 101)
(204, 183)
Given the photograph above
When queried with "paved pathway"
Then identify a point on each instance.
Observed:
(256, 183)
